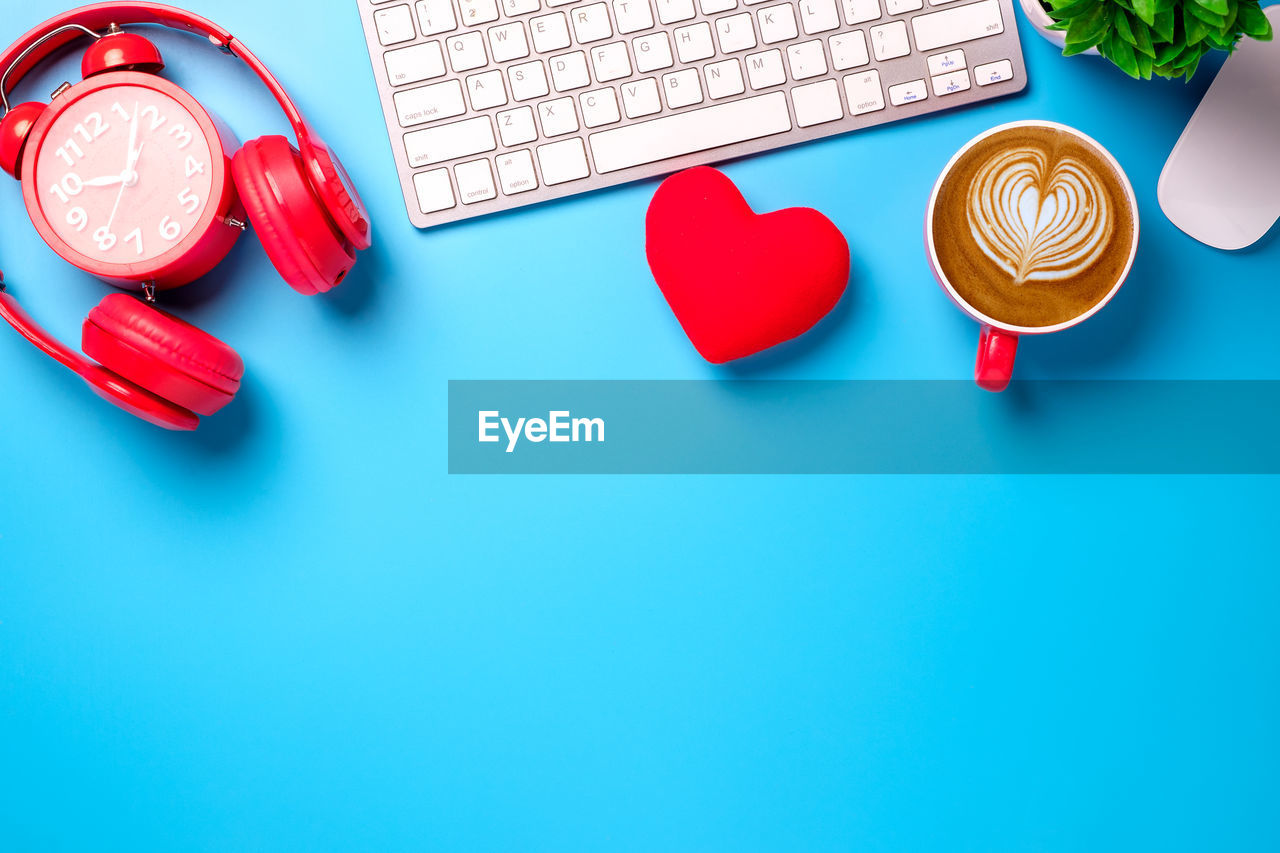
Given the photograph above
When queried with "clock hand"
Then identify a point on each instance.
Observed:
(131, 159)
(105, 182)
(116, 209)
(125, 183)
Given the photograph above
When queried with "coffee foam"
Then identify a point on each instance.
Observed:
(1037, 221)
(1033, 226)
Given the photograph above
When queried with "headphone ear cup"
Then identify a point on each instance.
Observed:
(162, 354)
(295, 229)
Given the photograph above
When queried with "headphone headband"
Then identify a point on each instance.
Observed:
(40, 43)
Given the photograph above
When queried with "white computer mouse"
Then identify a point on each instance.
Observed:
(1221, 184)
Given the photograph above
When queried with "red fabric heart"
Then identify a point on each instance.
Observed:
(741, 282)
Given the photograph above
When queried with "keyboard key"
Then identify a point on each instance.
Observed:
(674, 11)
(860, 11)
(429, 103)
(949, 84)
(414, 64)
(516, 126)
(632, 16)
(434, 191)
(450, 141)
(777, 23)
(818, 16)
(889, 41)
(500, 98)
(570, 71)
(765, 69)
(557, 117)
(520, 7)
(486, 90)
(599, 107)
(735, 33)
(807, 59)
(863, 92)
(899, 7)
(652, 52)
(907, 93)
(515, 172)
(466, 52)
(528, 80)
(993, 72)
(591, 23)
(724, 79)
(961, 24)
(694, 42)
(550, 32)
(687, 132)
(682, 88)
(508, 42)
(944, 63)
(478, 11)
(817, 103)
(611, 62)
(562, 162)
(640, 98)
(435, 17)
(475, 181)
(849, 50)
(394, 25)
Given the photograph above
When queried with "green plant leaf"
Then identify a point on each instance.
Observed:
(1071, 8)
(1145, 64)
(1146, 10)
(1217, 7)
(1194, 28)
(1189, 56)
(1233, 9)
(1223, 42)
(1142, 40)
(1253, 22)
(1121, 53)
(1165, 25)
(1125, 29)
(1090, 28)
(1167, 53)
(1214, 21)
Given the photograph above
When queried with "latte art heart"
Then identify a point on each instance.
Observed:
(1039, 222)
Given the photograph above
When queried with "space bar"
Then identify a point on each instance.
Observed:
(685, 133)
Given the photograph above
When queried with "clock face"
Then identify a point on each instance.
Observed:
(124, 175)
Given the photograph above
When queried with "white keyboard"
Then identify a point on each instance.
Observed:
(495, 104)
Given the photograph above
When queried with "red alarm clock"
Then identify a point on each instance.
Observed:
(127, 177)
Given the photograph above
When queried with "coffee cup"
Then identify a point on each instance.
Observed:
(1031, 228)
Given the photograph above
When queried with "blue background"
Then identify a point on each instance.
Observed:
(293, 630)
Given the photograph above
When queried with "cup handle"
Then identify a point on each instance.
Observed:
(996, 352)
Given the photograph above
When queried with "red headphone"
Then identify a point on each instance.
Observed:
(300, 201)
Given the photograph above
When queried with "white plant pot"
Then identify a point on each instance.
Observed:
(1040, 19)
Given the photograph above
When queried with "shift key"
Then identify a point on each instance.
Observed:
(961, 24)
(449, 141)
